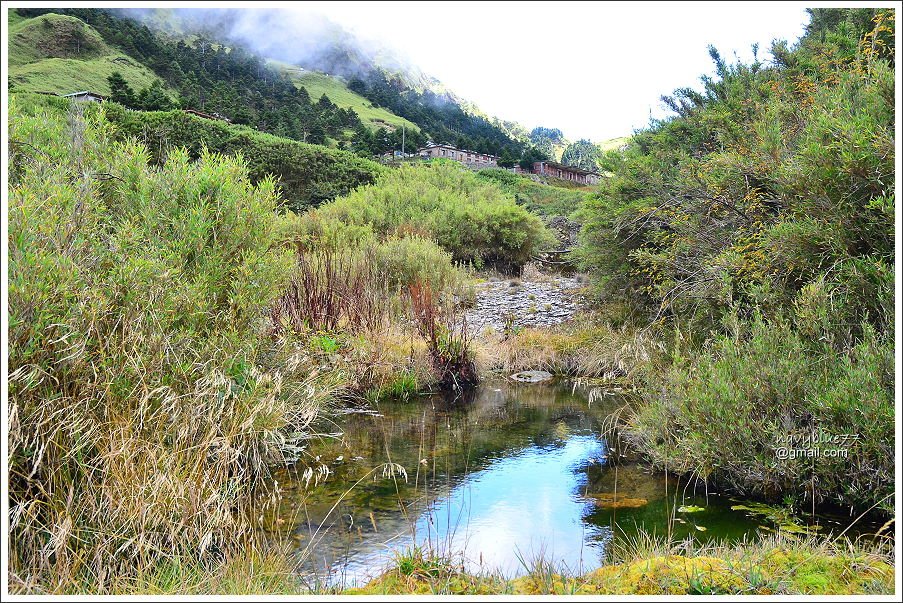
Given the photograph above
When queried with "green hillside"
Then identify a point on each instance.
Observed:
(318, 84)
(62, 54)
(613, 143)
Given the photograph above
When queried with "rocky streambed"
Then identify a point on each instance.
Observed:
(509, 304)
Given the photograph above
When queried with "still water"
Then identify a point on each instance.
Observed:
(499, 478)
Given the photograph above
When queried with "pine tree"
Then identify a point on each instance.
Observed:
(120, 91)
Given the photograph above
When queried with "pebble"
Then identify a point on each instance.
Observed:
(528, 304)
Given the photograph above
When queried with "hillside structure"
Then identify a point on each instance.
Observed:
(86, 95)
(446, 151)
(566, 172)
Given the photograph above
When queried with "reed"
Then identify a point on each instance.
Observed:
(146, 401)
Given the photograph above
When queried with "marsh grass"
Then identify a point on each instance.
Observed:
(146, 402)
(587, 346)
(392, 305)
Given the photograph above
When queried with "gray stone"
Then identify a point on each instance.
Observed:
(532, 376)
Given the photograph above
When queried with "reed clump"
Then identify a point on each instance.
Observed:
(146, 399)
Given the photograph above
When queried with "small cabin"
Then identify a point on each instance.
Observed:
(86, 95)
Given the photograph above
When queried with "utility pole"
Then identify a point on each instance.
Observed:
(402, 140)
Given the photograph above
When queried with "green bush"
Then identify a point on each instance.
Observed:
(411, 259)
(770, 177)
(142, 412)
(543, 199)
(307, 175)
(758, 219)
(722, 414)
(472, 220)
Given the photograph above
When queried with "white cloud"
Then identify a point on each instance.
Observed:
(595, 70)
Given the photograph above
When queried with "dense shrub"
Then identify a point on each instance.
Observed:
(307, 175)
(767, 180)
(142, 413)
(544, 199)
(473, 220)
(725, 415)
(759, 219)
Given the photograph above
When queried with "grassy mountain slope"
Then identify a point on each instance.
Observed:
(57, 53)
(318, 84)
(613, 143)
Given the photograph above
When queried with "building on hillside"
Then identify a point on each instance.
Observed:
(86, 95)
(566, 172)
(446, 151)
(395, 155)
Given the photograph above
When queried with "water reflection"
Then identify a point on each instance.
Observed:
(521, 505)
(512, 472)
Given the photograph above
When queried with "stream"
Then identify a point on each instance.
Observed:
(505, 476)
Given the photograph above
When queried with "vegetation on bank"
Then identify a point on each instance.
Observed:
(147, 400)
(655, 566)
(757, 225)
(173, 336)
(589, 345)
(645, 565)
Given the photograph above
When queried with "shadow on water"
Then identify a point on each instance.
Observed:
(501, 473)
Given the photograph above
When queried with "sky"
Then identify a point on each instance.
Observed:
(593, 70)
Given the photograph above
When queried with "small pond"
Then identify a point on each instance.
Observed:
(504, 475)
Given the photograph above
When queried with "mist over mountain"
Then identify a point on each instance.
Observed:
(304, 38)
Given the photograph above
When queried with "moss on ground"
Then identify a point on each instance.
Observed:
(764, 572)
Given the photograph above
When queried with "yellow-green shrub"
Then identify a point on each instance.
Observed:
(142, 413)
(471, 219)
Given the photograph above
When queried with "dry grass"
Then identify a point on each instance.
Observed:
(146, 402)
(585, 346)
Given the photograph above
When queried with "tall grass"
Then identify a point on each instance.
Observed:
(145, 401)
(444, 328)
(389, 300)
(333, 287)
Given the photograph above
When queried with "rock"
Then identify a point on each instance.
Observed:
(532, 376)
(531, 304)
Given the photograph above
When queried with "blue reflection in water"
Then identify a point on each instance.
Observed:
(528, 504)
